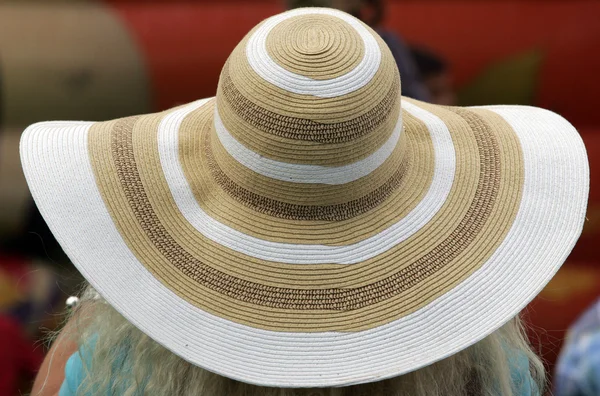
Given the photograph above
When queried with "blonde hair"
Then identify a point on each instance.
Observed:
(120, 359)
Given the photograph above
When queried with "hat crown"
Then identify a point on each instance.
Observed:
(310, 86)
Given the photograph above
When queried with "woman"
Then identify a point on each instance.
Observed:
(307, 231)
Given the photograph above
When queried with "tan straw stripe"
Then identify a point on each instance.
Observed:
(296, 151)
(284, 210)
(303, 129)
(303, 193)
(320, 47)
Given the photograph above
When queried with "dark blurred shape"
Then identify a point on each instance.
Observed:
(22, 229)
(372, 12)
(14, 193)
(290, 4)
(513, 80)
(435, 72)
(19, 359)
(412, 84)
(34, 239)
(28, 293)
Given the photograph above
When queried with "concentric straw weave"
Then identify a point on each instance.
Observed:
(308, 226)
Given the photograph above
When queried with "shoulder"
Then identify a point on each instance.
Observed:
(578, 366)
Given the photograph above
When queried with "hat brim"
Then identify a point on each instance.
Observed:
(547, 223)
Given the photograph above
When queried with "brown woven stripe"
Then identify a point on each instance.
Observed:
(312, 299)
(286, 210)
(304, 129)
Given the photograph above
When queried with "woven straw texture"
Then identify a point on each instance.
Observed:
(309, 226)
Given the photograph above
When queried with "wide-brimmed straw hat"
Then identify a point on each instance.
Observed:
(308, 226)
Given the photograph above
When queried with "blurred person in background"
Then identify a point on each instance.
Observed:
(436, 76)
(372, 12)
(22, 292)
(578, 365)
(32, 297)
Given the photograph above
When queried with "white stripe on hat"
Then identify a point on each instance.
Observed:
(302, 173)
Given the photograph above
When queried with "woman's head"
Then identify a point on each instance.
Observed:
(116, 355)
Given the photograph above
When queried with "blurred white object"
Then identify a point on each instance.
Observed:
(72, 302)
